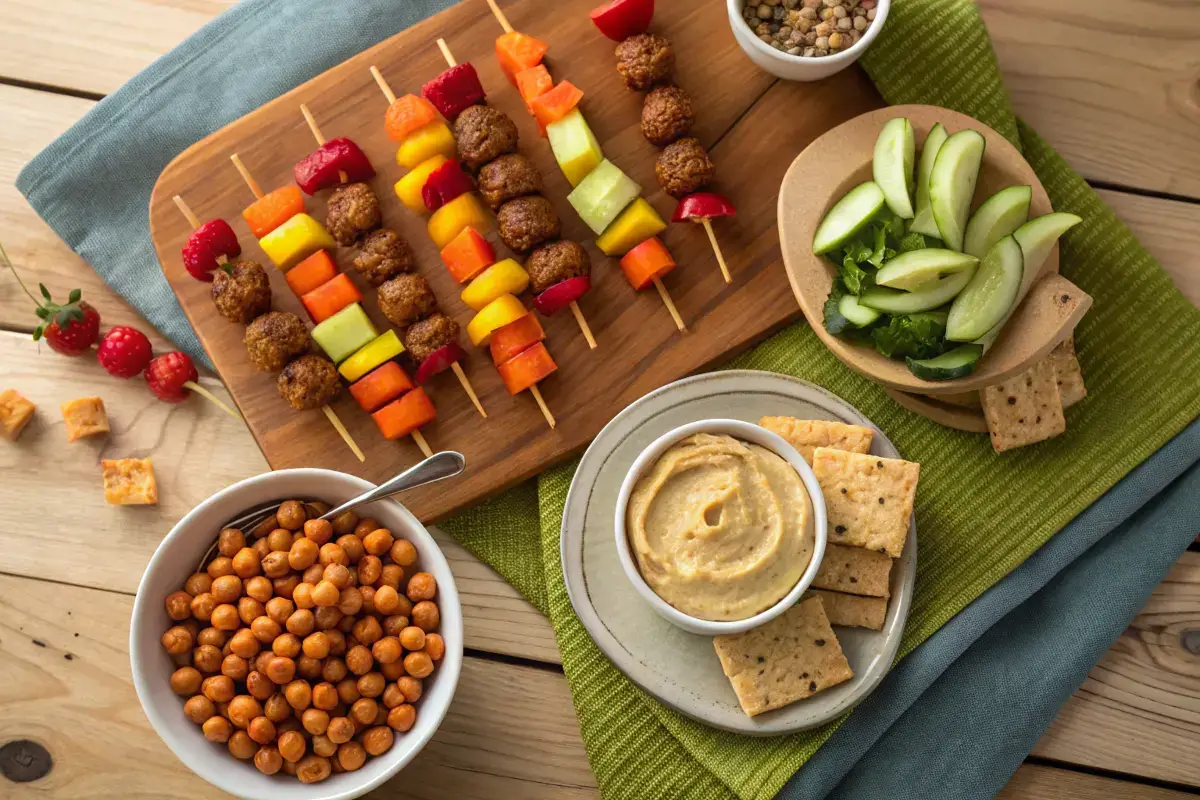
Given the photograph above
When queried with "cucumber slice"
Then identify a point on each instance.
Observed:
(895, 151)
(892, 301)
(855, 312)
(1000, 215)
(990, 295)
(920, 268)
(952, 184)
(958, 363)
(848, 216)
(1037, 238)
(923, 222)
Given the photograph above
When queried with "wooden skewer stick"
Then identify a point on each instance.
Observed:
(421, 443)
(503, 20)
(583, 326)
(670, 304)
(446, 54)
(382, 83)
(345, 434)
(468, 388)
(712, 238)
(316, 132)
(246, 176)
(541, 401)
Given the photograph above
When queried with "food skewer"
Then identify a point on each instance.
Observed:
(333, 418)
(379, 385)
(455, 366)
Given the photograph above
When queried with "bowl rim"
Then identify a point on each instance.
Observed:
(839, 60)
(451, 625)
(746, 431)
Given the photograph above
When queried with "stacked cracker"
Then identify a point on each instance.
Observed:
(869, 501)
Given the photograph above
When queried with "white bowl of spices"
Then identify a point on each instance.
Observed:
(806, 40)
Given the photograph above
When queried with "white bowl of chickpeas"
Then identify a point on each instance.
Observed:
(305, 659)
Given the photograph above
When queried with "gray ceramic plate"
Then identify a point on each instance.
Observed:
(680, 668)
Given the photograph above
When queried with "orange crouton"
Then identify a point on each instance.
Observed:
(84, 416)
(15, 413)
(129, 482)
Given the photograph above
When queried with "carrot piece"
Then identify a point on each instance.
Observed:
(273, 209)
(516, 52)
(516, 336)
(408, 114)
(331, 297)
(534, 82)
(401, 417)
(556, 103)
(380, 386)
(312, 273)
(467, 255)
(647, 261)
(527, 368)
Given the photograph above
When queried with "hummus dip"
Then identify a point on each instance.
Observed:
(721, 529)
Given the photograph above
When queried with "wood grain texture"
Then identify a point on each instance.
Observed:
(1033, 782)
(640, 349)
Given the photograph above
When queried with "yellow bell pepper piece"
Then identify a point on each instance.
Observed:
(382, 348)
(503, 277)
(450, 220)
(636, 224)
(424, 143)
(496, 314)
(295, 240)
(408, 188)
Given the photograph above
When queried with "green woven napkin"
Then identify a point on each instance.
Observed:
(1140, 351)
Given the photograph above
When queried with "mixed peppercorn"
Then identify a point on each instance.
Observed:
(810, 28)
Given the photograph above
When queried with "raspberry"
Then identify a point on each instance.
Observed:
(168, 375)
(124, 351)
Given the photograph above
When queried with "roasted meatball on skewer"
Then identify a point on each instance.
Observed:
(243, 293)
(484, 134)
(684, 167)
(526, 222)
(383, 255)
(667, 115)
(508, 177)
(426, 336)
(274, 338)
(353, 212)
(644, 60)
(556, 262)
(310, 381)
(406, 299)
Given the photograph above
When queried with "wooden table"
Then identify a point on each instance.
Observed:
(1112, 83)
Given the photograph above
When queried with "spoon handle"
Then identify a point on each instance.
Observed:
(438, 466)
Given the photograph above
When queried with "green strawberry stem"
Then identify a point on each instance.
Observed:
(21, 283)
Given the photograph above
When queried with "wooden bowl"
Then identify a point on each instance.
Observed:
(840, 160)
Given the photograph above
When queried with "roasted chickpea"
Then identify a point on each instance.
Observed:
(326, 593)
(371, 685)
(242, 709)
(392, 696)
(421, 586)
(337, 640)
(301, 622)
(327, 618)
(347, 690)
(292, 746)
(346, 624)
(265, 629)
(261, 548)
(314, 574)
(344, 523)
(250, 609)
(378, 541)
(402, 718)
(213, 636)
(217, 729)
(319, 531)
(350, 601)
(259, 685)
(186, 681)
(425, 615)
(196, 584)
(365, 526)
(367, 593)
(219, 566)
(369, 569)
(412, 638)
(303, 596)
(181, 605)
(277, 708)
(353, 547)
(351, 756)
(225, 617)
(207, 658)
(227, 589)
(333, 669)
(275, 564)
(419, 664)
(298, 694)
(279, 539)
(324, 696)
(259, 588)
(308, 667)
(291, 515)
(279, 609)
(303, 554)
(338, 575)
(316, 645)
(377, 741)
(235, 667)
(363, 711)
(435, 646)
(403, 553)
(218, 688)
(286, 585)
(229, 541)
(393, 624)
(392, 671)
(244, 643)
(313, 769)
(367, 630)
(387, 600)
(259, 664)
(286, 645)
(315, 720)
(262, 730)
(410, 687)
(340, 730)
(177, 640)
(246, 563)
(359, 660)
(288, 768)
(391, 575)
(387, 650)
(322, 746)
(268, 760)
(281, 670)
(332, 553)
(241, 746)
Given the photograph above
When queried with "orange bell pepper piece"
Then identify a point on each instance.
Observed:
(527, 368)
(556, 103)
(516, 52)
(273, 209)
(406, 115)
(647, 261)
(516, 337)
(534, 82)
(331, 297)
(380, 386)
(401, 417)
(312, 273)
(467, 255)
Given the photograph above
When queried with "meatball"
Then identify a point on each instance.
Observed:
(352, 212)
(667, 115)
(275, 338)
(508, 177)
(383, 255)
(406, 299)
(310, 381)
(644, 60)
(243, 293)
(430, 334)
(483, 134)
(526, 222)
(684, 167)
(556, 262)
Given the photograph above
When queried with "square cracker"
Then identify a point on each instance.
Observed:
(1067, 373)
(806, 435)
(854, 570)
(83, 417)
(129, 482)
(851, 611)
(789, 658)
(869, 499)
(1024, 409)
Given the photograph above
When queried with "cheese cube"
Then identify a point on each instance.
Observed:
(296, 240)
(84, 416)
(15, 413)
(129, 482)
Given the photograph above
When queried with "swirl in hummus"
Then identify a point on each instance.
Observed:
(721, 529)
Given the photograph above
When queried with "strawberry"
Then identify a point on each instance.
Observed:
(124, 351)
(70, 328)
(169, 375)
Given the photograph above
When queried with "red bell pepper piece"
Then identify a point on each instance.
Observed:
(454, 90)
(527, 368)
(444, 184)
(402, 417)
(534, 82)
(312, 273)
(468, 255)
(439, 361)
(621, 19)
(212, 239)
(516, 52)
(321, 168)
(647, 261)
(556, 103)
(273, 209)
(408, 115)
(703, 205)
(380, 386)
(518, 335)
(561, 295)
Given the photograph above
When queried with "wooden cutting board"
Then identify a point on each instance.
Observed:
(753, 124)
